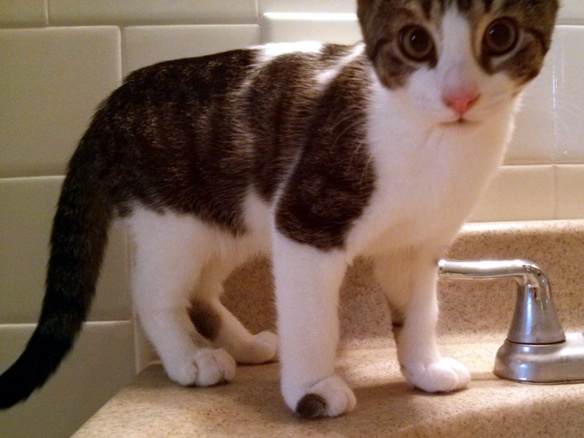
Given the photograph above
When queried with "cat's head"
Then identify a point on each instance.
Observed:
(457, 60)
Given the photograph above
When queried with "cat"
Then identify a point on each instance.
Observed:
(312, 153)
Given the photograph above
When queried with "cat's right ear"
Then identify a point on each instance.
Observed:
(364, 9)
(364, 6)
(366, 13)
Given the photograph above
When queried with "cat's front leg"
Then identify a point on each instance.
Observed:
(307, 292)
(409, 280)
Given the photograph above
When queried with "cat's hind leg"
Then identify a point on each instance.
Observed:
(170, 253)
(216, 323)
(307, 294)
(409, 280)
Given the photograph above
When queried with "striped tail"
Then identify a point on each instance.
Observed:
(78, 240)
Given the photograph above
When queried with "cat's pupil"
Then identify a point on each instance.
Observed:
(416, 43)
(501, 37)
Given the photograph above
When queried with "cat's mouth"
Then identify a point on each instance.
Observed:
(461, 122)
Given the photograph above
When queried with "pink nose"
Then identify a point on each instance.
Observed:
(461, 103)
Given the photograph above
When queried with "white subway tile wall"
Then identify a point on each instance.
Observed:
(569, 95)
(138, 12)
(572, 12)
(307, 6)
(25, 224)
(341, 28)
(101, 363)
(23, 13)
(519, 193)
(145, 45)
(60, 58)
(569, 198)
(534, 141)
(52, 80)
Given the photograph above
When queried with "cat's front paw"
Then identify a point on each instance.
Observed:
(330, 397)
(206, 368)
(443, 376)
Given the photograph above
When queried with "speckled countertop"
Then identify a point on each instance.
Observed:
(473, 322)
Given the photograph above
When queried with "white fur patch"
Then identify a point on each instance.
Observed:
(307, 284)
(174, 257)
(325, 77)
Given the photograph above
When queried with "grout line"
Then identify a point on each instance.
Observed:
(46, 13)
(556, 198)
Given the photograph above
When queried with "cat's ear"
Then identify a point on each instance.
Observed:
(373, 22)
(364, 11)
(363, 5)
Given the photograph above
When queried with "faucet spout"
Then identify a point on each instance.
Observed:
(535, 320)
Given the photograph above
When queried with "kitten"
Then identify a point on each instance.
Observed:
(314, 153)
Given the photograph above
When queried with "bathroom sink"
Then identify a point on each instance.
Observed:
(387, 406)
(474, 322)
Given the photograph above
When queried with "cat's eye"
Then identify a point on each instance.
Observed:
(416, 43)
(501, 37)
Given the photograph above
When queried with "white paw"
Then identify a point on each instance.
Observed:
(267, 346)
(261, 349)
(443, 376)
(206, 368)
(328, 398)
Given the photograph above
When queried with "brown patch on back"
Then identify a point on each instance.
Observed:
(205, 319)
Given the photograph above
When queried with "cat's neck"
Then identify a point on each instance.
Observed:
(439, 171)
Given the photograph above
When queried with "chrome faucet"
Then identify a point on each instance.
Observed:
(536, 349)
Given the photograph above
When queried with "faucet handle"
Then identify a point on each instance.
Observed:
(535, 320)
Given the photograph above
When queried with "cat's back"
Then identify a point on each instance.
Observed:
(193, 134)
(261, 68)
(195, 78)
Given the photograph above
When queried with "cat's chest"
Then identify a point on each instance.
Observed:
(427, 183)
